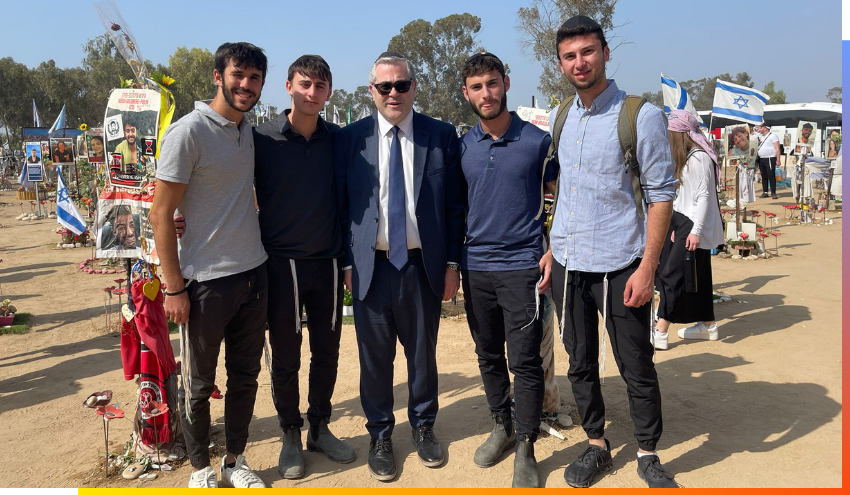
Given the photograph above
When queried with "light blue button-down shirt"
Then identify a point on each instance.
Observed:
(596, 226)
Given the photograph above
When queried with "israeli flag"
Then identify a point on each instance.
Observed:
(676, 98)
(736, 102)
(66, 213)
(59, 124)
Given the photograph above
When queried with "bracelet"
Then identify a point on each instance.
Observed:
(184, 289)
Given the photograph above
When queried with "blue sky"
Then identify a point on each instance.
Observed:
(683, 39)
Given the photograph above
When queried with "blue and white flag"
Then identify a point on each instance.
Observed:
(59, 124)
(676, 98)
(736, 102)
(264, 111)
(36, 118)
(67, 213)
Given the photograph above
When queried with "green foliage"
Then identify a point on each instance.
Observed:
(776, 96)
(538, 25)
(834, 94)
(437, 52)
(20, 325)
(359, 100)
(347, 298)
(192, 68)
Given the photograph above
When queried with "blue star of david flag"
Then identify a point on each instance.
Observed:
(736, 102)
(67, 213)
(676, 98)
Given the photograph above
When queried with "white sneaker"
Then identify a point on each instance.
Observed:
(205, 478)
(700, 332)
(659, 340)
(240, 475)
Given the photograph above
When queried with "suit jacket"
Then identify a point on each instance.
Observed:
(437, 186)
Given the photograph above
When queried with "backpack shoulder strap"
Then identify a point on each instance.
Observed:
(627, 133)
(555, 129)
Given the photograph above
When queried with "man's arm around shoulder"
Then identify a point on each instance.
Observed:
(166, 199)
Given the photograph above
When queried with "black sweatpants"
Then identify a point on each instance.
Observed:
(629, 332)
(767, 167)
(295, 285)
(504, 308)
(232, 309)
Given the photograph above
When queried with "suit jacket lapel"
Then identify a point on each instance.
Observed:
(421, 139)
(371, 138)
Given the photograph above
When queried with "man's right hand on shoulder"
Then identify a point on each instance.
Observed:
(177, 308)
(179, 225)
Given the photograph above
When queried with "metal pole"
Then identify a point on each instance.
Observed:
(37, 199)
(738, 199)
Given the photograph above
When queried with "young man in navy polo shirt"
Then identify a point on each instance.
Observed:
(504, 268)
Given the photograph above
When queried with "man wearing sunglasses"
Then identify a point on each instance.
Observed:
(504, 268)
(401, 211)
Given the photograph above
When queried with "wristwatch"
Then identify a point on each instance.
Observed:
(453, 266)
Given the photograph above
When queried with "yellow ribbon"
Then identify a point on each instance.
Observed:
(166, 112)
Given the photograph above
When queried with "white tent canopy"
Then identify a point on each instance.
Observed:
(789, 114)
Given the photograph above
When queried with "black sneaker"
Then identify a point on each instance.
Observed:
(594, 460)
(765, 195)
(774, 197)
(650, 470)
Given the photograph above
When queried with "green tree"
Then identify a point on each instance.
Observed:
(437, 53)
(15, 100)
(359, 100)
(104, 67)
(702, 90)
(192, 68)
(834, 94)
(776, 96)
(539, 25)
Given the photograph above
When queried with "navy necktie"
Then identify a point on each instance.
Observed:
(397, 209)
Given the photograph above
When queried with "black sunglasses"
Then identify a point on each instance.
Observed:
(384, 88)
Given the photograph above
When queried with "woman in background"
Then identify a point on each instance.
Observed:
(700, 231)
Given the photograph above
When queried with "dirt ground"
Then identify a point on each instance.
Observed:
(761, 407)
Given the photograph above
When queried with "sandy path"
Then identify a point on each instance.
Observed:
(760, 407)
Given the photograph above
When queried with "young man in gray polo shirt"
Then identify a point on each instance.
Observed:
(216, 273)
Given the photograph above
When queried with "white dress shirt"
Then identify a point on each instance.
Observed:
(385, 139)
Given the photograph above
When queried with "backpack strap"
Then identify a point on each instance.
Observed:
(555, 129)
(627, 133)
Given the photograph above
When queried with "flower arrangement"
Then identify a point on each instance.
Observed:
(69, 237)
(7, 309)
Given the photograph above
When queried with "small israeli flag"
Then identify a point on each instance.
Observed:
(67, 213)
(675, 97)
(736, 102)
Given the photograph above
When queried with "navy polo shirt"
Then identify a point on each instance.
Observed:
(503, 179)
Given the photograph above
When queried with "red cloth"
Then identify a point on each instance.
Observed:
(131, 351)
(152, 388)
(152, 325)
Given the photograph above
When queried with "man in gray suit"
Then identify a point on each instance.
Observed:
(401, 212)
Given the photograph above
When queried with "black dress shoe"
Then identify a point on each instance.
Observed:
(430, 453)
(381, 461)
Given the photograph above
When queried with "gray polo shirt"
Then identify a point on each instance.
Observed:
(215, 159)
